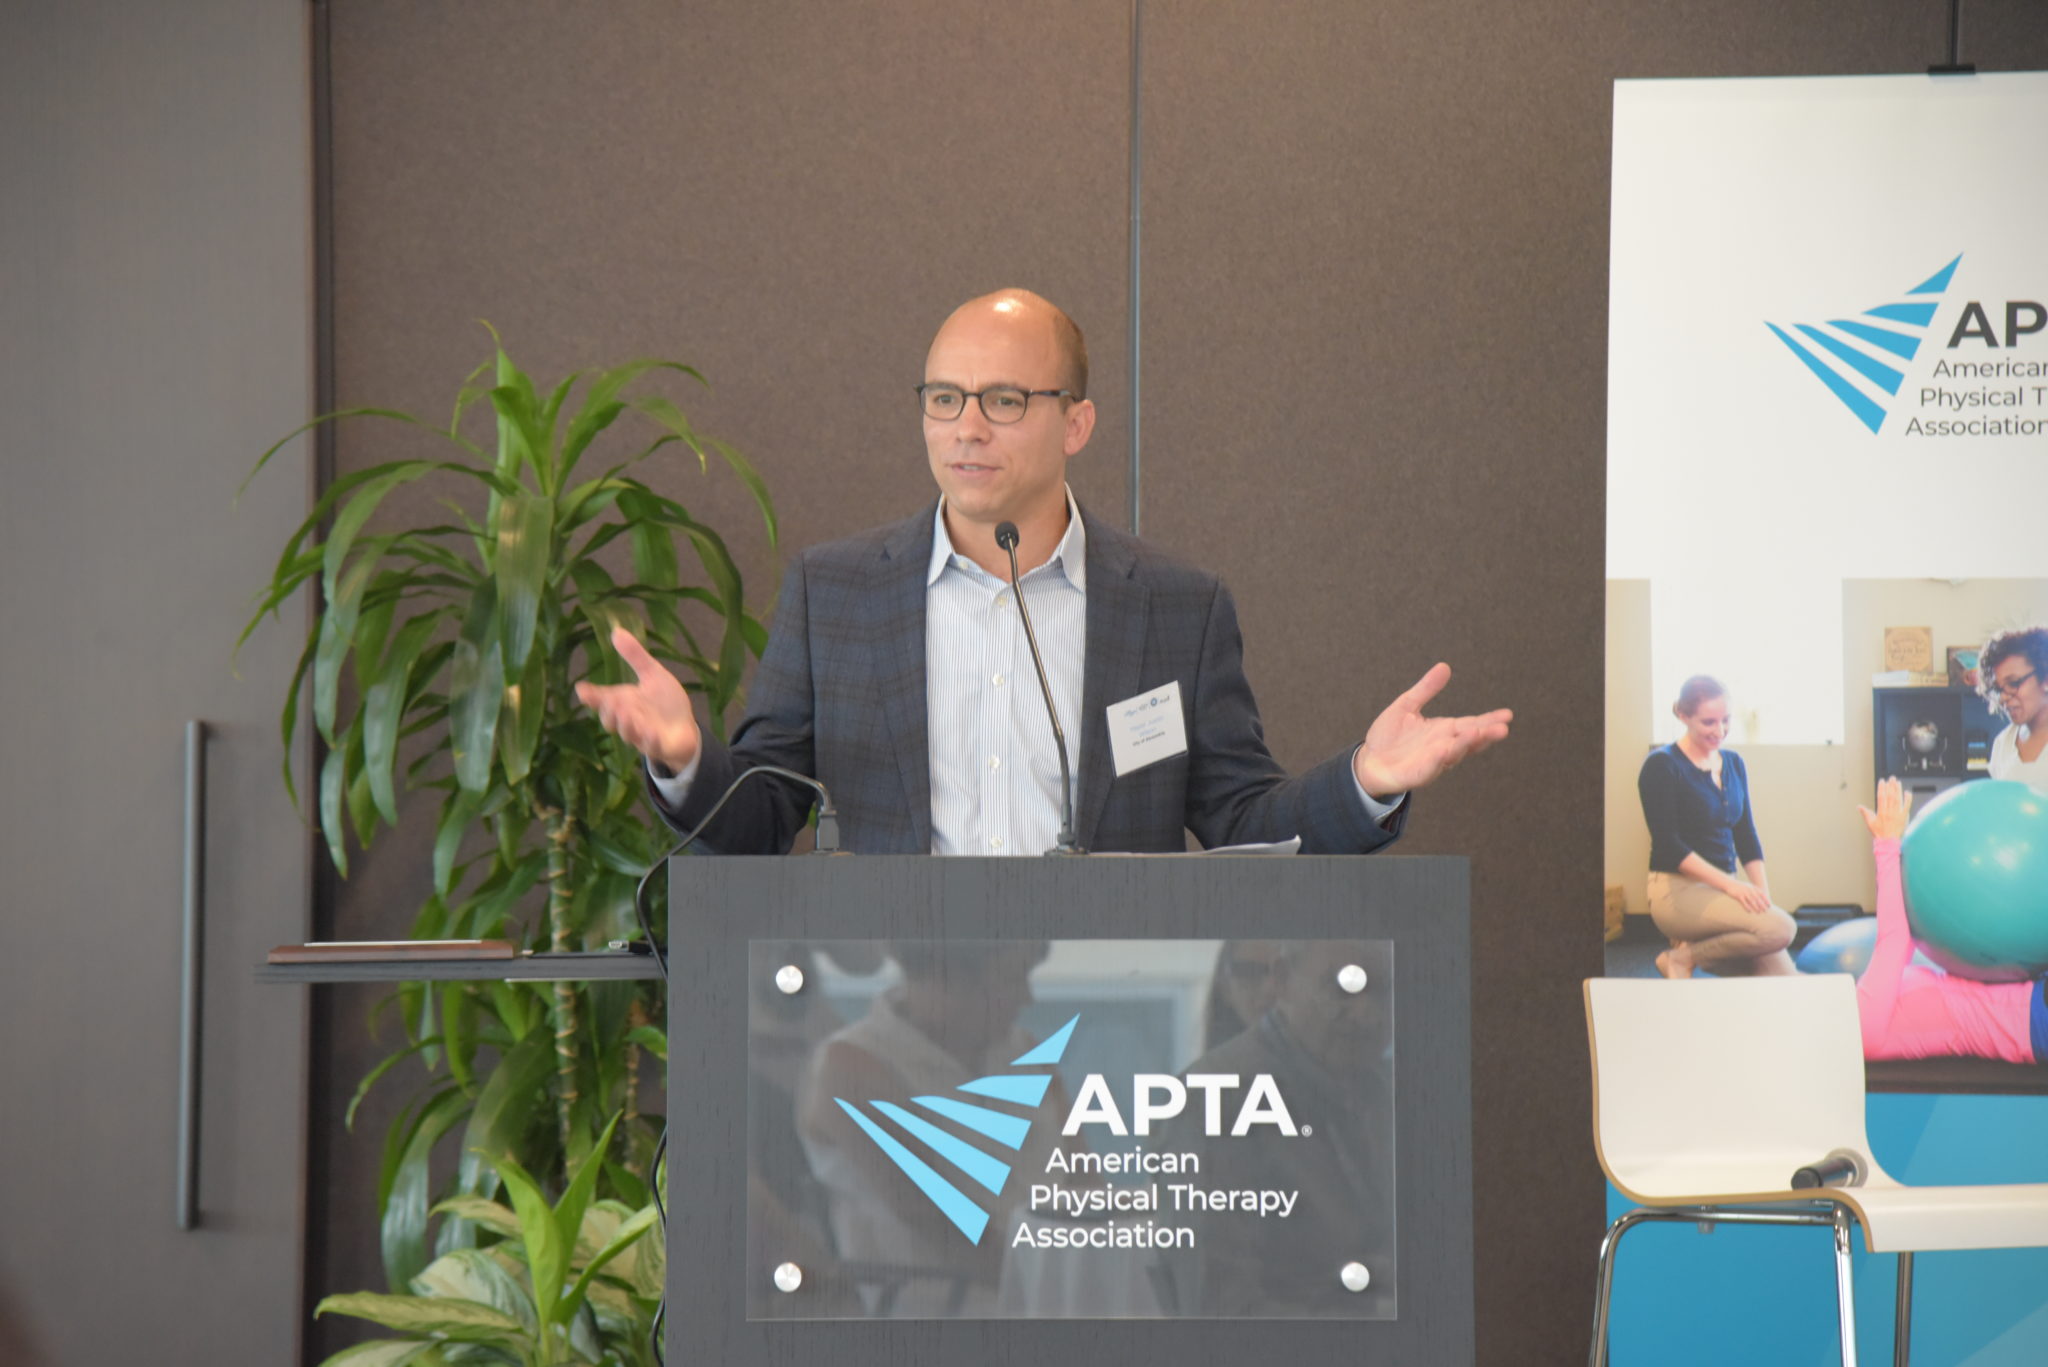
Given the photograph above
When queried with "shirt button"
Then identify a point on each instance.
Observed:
(995, 842)
(997, 681)
(1003, 600)
(995, 761)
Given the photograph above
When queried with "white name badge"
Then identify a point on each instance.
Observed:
(1146, 729)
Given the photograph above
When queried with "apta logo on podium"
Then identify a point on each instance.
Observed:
(1154, 1097)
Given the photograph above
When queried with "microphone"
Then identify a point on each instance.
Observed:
(1006, 539)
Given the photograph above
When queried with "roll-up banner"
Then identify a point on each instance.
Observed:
(1827, 546)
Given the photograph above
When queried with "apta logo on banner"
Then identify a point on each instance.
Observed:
(1865, 361)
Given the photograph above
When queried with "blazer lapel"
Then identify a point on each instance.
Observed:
(899, 665)
(1117, 608)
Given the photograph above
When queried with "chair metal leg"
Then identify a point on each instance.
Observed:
(1902, 1314)
(1707, 1217)
(1604, 1286)
(1845, 1289)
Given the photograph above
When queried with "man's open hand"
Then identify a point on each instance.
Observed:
(652, 714)
(1405, 750)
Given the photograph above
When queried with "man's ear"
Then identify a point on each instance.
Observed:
(1080, 424)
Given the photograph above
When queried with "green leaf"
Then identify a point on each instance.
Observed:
(477, 1210)
(524, 546)
(476, 691)
(354, 513)
(624, 1181)
(468, 1275)
(471, 391)
(551, 412)
(373, 628)
(527, 705)
(419, 1020)
(390, 1061)
(576, 1198)
(650, 1263)
(384, 705)
(651, 1038)
(403, 1219)
(458, 1014)
(514, 1007)
(333, 776)
(337, 638)
(587, 500)
(507, 1105)
(381, 1353)
(320, 510)
(601, 406)
(520, 440)
(362, 811)
(288, 719)
(458, 813)
(755, 486)
(653, 548)
(629, 1233)
(547, 1253)
(463, 1321)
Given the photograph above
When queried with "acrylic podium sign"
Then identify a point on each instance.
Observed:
(1088, 1111)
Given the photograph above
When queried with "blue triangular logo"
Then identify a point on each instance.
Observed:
(963, 1160)
(1842, 347)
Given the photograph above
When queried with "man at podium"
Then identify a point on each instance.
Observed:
(899, 672)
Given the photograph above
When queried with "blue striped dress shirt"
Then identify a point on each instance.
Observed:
(995, 768)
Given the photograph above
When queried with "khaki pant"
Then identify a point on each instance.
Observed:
(1726, 937)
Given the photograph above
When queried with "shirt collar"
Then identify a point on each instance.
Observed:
(1070, 557)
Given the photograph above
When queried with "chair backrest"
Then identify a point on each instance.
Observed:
(1720, 1088)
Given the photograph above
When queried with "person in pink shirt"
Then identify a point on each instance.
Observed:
(1911, 1011)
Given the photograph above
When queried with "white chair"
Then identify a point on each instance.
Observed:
(1710, 1095)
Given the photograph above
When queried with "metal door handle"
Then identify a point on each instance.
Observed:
(191, 981)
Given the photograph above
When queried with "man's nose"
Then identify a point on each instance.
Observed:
(973, 424)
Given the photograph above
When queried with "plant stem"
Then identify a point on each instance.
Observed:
(562, 1012)
(636, 1016)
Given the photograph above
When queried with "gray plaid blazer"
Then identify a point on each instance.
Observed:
(840, 694)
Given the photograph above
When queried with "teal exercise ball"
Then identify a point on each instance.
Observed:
(1976, 867)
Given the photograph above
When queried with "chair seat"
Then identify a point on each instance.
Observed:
(1692, 1180)
(1924, 1219)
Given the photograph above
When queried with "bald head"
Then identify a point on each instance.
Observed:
(1022, 309)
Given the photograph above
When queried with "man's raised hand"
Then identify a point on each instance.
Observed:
(651, 714)
(1405, 750)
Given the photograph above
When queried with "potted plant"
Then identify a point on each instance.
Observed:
(442, 656)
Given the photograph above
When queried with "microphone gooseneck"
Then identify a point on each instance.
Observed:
(1006, 540)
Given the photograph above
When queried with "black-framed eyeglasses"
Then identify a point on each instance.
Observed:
(2009, 688)
(999, 402)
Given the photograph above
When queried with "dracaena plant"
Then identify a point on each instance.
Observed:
(442, 657)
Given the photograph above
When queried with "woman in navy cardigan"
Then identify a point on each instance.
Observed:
(1703, 846)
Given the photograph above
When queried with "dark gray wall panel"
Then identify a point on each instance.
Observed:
(155, 337)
